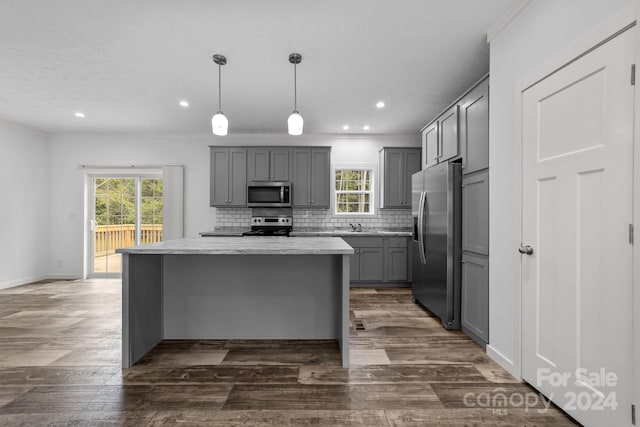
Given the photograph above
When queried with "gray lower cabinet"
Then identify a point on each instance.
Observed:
(311, 177)
(396, 260)
(370, 264)
(474, 128)
(397, 165)
(367, 259)
(475, 212)
(475, 297)
(379, 259)
(228, 177)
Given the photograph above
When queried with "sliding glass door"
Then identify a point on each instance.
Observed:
(126, 211)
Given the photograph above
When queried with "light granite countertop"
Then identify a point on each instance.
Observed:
(225, 231)
(247, 245)
(318, 232)
(385, 232)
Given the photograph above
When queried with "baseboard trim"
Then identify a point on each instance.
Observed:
(21, 281)
(503, 361)
(64, 276)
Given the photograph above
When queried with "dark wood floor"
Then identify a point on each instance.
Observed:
(60, 365)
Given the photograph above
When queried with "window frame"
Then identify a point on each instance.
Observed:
(373, 171)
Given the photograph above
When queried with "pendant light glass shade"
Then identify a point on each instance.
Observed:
(295, 121)
(219, 124)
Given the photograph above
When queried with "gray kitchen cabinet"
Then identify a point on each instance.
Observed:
(474, 128)
(474, 317)
(311, 177)
(268, 164)
(379, 259)
(396, 259)
(371, 261)
(440, 139)
(430, 145)
(367, 259)
(449, 144)
(475, 212)
(397, 165)
(228, 176)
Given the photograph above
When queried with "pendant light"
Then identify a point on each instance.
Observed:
(295, 121)
(219, 122)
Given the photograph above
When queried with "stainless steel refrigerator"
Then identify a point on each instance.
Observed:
(436, 203)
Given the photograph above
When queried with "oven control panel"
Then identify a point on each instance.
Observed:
(273, 221)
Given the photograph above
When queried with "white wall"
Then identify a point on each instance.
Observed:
(541, 32)
(24, 225)
(67, 151)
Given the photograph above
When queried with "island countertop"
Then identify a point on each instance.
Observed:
(247, 245)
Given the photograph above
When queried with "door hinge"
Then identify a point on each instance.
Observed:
(633, 74)
(631, 234)
(633, 414)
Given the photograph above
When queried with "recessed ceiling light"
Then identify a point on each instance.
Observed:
(79, 114)
(365, 127)
(345, 127)
(184, 103)
(380, 104)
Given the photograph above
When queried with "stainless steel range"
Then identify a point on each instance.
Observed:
(270, 226)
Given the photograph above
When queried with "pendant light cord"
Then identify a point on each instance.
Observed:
(295, 87)
(219, 88)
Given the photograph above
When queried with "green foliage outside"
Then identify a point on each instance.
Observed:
(115, 201)
(353, 190)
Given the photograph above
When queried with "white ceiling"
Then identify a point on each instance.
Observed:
(127, 63)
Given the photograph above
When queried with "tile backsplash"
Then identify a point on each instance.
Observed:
(324, 218)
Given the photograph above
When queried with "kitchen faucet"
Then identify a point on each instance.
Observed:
(355, 227)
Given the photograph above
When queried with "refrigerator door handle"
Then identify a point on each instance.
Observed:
(423, 197)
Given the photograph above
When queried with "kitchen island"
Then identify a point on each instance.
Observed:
(235, 288)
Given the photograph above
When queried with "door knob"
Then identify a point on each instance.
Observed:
(526, 250)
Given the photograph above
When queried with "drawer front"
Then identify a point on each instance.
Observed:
(397, 242)
(364, 242)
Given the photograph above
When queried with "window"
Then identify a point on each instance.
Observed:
(354, 191)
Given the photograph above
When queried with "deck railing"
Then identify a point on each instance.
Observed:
(110, 237)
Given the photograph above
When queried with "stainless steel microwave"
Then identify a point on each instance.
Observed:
(269, 195)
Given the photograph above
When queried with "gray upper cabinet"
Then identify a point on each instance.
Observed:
(440, 139)
(475, 212)
(311, 177)
(474, 310)
(268, 164)
(228, 176)
(397, 166)
(474, 128)
(430, 145)
(449, 146)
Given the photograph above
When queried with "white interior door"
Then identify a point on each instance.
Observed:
(577, 151)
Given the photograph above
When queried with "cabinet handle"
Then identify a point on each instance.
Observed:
(273, 176)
